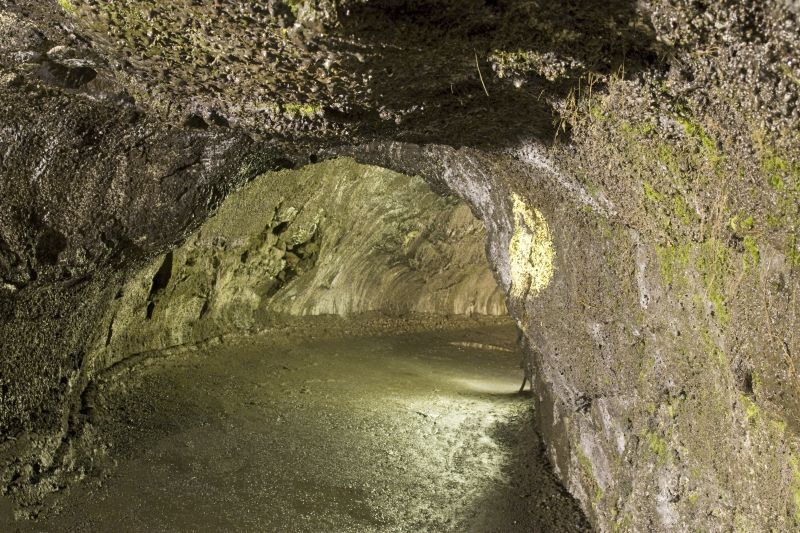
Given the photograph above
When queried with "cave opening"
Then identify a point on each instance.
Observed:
(329, 351)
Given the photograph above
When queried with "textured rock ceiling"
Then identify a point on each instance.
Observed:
(412, 71)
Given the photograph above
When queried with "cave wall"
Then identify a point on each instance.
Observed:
(651, 363)
(635, 165)
(82, 170)
(335, 238)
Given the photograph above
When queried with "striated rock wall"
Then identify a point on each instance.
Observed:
(333, 238)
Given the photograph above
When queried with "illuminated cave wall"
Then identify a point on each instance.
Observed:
(333, 238)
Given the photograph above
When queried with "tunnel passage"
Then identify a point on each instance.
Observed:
(335, 238)
(420, 329)
(668, 353)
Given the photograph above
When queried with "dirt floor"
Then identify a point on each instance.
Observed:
(362, 431)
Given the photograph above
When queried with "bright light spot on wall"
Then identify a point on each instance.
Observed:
(530, 251)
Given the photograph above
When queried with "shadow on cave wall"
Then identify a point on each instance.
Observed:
(426, 55)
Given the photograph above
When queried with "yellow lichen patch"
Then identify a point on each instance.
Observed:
(530, 251)
(67, 6)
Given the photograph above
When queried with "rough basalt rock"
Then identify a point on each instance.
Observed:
(649, 150)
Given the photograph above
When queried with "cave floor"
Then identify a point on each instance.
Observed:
(360, 431)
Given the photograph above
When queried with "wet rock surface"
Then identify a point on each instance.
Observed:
(650, 146)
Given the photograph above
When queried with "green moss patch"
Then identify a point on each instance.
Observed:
(67, 6)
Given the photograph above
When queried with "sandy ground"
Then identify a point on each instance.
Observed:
(410, 432)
